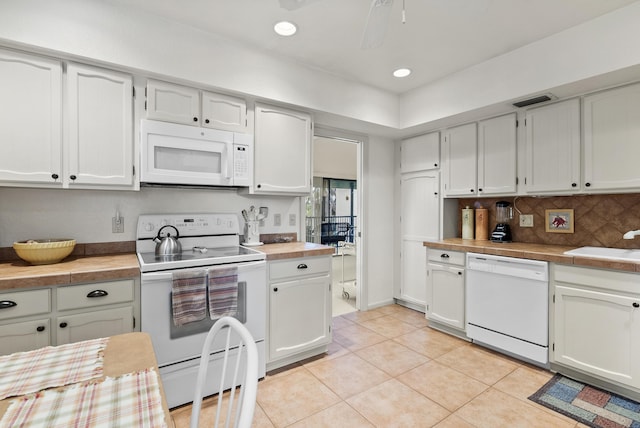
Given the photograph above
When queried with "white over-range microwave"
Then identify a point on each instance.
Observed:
(173, 154)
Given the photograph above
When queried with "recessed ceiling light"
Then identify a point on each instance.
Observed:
(285, 28)
(402, 72)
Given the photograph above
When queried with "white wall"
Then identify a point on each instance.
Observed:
(86, 215)
(596, 48)
(112, 34)
(335, 159)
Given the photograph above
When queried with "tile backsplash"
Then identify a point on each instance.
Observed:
(599, 220)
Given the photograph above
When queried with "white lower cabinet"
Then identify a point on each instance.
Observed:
(597, 323)
(446, 290)
(94, 324)
(299, 309)
(56, 315)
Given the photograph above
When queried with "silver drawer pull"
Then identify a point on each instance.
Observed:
(6, 304)
(97, 293)
(302, 266)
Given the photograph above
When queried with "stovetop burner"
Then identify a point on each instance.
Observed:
(207, 240)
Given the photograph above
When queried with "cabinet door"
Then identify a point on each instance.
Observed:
(611, 136)
(223, 112)
(173, 103)
(24, 336)
(30, 119)
(420, 221)
(299, 316)
(93, 325)
(420, 153)
(446, 300)
(282, 151)
(100, 134)
(460, 160)
(497, 156)
(598, 332)
(553, 148)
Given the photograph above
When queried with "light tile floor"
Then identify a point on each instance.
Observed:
(386, 368)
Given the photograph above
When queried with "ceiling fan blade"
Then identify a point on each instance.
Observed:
(294, 4)
(377, 23)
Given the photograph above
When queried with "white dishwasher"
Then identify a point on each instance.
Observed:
(507, 305)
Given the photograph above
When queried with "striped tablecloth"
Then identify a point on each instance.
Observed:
(130, 400)
(26, 372)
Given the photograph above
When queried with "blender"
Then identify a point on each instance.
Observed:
(504, 214)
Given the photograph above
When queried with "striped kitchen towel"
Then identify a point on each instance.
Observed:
(189, 296)
(223, 292)
(26, 372)
(131, 400)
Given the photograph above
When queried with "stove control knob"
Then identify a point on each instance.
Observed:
(149, 227)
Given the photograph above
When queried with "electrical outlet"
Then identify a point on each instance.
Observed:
(292, 219)
(117, 224)
(277, 219)
(526, 220)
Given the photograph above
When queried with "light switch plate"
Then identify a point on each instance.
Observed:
(292, 219)
(526, 220)
(117, 225)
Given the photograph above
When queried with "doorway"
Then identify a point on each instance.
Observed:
(333, 215)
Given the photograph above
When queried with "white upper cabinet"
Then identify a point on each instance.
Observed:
(553, 148)
(99, 138)
(612, 139)
(173, 103)
(180, 104)
(223, 112)
(420, 153)
(460, 160)
(30, 120)
(497, 155)
(282, 163)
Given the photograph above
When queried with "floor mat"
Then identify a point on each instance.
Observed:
(587, 404)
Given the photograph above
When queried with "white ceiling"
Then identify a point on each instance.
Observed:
(439, 37)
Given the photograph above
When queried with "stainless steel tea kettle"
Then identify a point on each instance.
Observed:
(168, 245)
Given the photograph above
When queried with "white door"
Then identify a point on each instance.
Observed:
(446, 302)
(497, 155)
(282, 151)
(100, 127)
(173, 103)
(419, 221)
(30, 119)
(420, 153)
(611, 136)
(553, 148)
(598, 332)
(459, 151)
(224, 112)
(299, 316)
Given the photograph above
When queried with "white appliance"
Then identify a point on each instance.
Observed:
(208, 240)
(188, 155)
(507, 305)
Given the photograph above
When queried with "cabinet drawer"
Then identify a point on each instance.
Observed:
(23, 303)
(96, 294)
(446, 256)
(306, 266)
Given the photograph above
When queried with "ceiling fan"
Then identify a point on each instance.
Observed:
(377, 21)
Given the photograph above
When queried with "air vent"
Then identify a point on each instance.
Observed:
(534, 100)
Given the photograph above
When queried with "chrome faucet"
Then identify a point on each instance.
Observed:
(631, 234)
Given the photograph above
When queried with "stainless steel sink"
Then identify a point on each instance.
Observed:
(605, 253)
